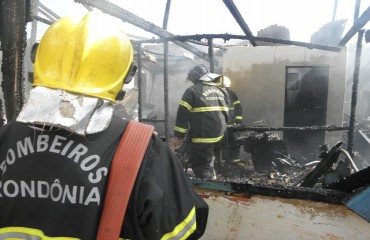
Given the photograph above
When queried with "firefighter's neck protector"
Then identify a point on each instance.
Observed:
(57, 108)
(90, 56)
(210, 77)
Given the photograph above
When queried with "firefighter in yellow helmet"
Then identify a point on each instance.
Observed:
(55, 157)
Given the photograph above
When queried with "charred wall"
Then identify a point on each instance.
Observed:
(13, 18)
(258, 77)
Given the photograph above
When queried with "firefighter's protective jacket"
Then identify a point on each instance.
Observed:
(203, 108)
(52, 184)
(235, 108)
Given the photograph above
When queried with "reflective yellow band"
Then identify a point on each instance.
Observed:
(236, 102)
(206, 140)
(27, 234)
(231, 108)
(239, 117)
(210, 109)
(185, 104)
(182, 130)
(211, 83)
(184, 229)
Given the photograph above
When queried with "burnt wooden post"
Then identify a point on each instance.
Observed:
(139, 80)
(165, 74)
(14, 15)
(211, 55)
(356, 75)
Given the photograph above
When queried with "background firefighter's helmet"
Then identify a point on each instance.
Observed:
(226, 82)
(90, 56)
(196, 72)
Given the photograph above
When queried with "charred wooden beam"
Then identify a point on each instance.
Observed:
(137, 21)
(297, 43)
(227, 37)
(303, 129)
(356, 79)
(355, 181)
(314, 194)
(165, 74)
(240, 20)
(14, 16)
(357, 26)
(329, 159)
(211, 55)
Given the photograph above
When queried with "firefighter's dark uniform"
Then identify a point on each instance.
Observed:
(231, 162)
(235, 117)
(52, 183)
(235, 108)
(203, 110)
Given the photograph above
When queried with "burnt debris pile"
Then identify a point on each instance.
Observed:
(265, 160)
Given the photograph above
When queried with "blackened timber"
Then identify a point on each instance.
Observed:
(227, 37)
(230, 188)
(135, 20)
(314, 194)
(152, 120)
(206, 44)
(297, 43)
(165, 73)
(352, 182)
(211, 55)
(13, 16)
(240, 20)
(304, 129)
(139, 79)
(165, 89)
(323, 167)
(358, 24)
(356, 75)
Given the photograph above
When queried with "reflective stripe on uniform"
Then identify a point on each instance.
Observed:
(239, 117)
(206, 140)
(179, 129)
(185, 104)
(210, 83)
(210, 109)
(236, 102)
(27, 234)
(184, 229)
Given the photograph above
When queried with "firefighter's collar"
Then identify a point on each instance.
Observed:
(57, 108)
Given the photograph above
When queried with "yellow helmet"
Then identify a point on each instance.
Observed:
(226, 82)
(90, 56)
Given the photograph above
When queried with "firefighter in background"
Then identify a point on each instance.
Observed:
(231, 164)
(203, 115)
(55, 157)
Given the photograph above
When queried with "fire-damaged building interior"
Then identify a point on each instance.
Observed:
(306, 105)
